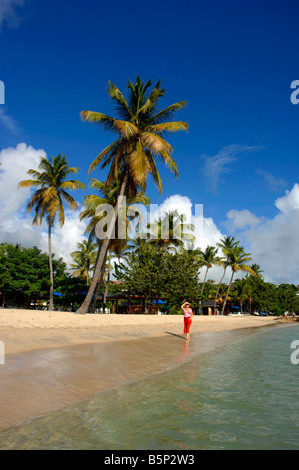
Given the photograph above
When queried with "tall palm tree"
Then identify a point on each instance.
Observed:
(132, 156)
(51, 185)
(84, 259)
(237, 261)
(170, 230)
(226, 244)
(208, 257)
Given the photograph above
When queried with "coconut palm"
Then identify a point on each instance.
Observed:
(170, 230)
(220, 297)
(257, 269)
(84, 259)
(240, 292)
(139, 143)
(226, 244)
(51, 185)
(208, 257)
(237, 261)
(94, 208)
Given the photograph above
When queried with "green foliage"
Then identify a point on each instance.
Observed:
(26, 271)
(267, 296)
(154, 274)
(182, 278)
(144, 272)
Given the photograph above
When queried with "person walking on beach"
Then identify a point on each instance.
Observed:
(188, 314)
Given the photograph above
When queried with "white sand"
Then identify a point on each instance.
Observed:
(24, 330)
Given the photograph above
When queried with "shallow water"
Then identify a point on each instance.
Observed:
(243, 395)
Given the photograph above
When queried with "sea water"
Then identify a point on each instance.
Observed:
(243, 395)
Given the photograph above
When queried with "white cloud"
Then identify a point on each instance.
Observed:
(216, 166)
(290, 201)
(15, 222)
(8, 122)
(273, 183)
(15, 164)
(65, 239)
(273, 243)
(8, 13)
(239, 220)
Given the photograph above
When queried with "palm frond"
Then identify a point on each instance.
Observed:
(123, 128)
(72, 184)
(122, 106)
(168, 112)
(108, 151)
(173, 126)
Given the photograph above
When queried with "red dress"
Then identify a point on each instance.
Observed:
(187, 319)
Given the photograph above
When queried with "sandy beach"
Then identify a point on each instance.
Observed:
(26, 330)
(53, 359)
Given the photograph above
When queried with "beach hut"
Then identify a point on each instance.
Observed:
(208, 307)
(135, 304)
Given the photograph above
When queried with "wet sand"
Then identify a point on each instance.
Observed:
(53, 359)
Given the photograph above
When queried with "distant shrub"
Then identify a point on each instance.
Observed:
(175, 311)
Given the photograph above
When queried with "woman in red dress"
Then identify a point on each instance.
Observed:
(188, 314)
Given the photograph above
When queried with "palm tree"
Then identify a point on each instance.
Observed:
(169, 230)
(48, 199)
(237, 259)
(240, 291)
(132, 155)
(221, 294)
(257, 269)
(208, 257)
(107, 195)
(226, 244)
(84, 259)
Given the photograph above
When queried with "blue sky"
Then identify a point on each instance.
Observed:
(232, 61)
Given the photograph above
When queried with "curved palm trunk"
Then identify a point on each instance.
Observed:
(85, 305)
(204, 282)
(98, 288)
(229, 286)
(51, 304)
(107, 283)
(220, 283)
(87, 276)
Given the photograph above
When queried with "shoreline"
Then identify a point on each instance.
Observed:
(53, 360)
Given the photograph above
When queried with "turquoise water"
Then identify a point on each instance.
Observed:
(244, 395)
